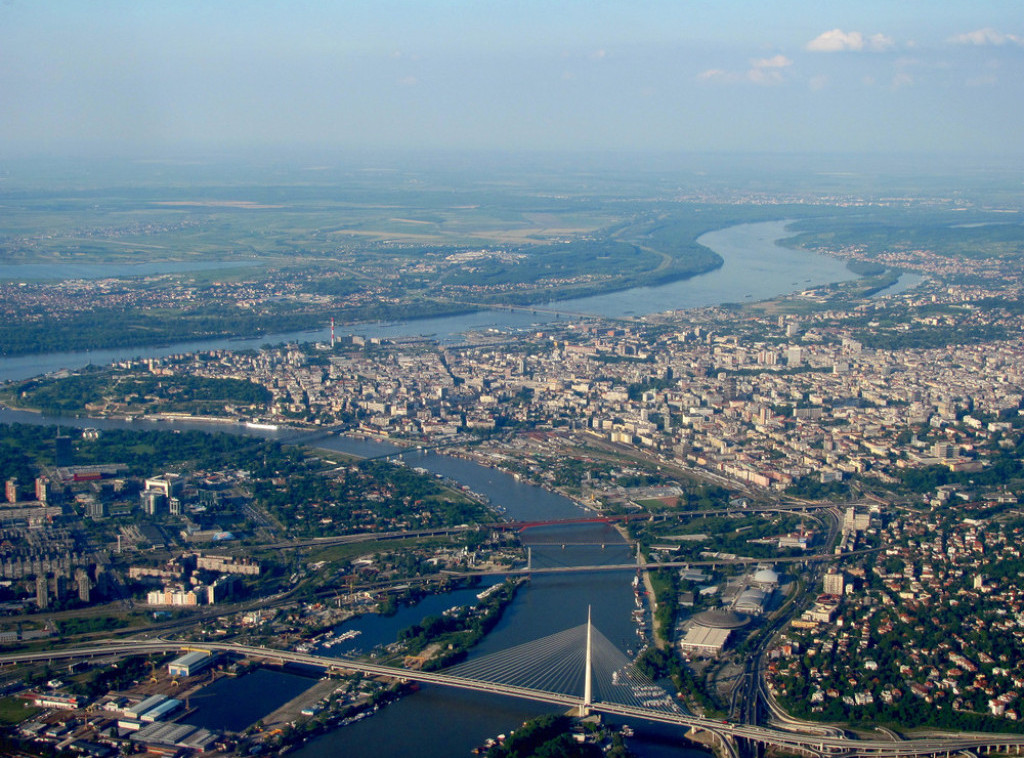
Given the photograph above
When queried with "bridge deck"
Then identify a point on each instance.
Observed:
(807, 743)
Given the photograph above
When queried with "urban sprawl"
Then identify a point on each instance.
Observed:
(886, 432)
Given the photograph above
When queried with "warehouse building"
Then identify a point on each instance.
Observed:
(190, 664)
(167, 738)
(136, 711)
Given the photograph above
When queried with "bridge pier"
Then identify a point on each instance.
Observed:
(726, 738)
(714, 742)
(749, 748)
(728, 746)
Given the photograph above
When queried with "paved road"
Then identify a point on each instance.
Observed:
(817, 744)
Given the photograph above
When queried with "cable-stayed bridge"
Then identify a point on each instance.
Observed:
(579, 663)
(581, 670)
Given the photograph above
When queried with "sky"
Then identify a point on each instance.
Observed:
(865, 76)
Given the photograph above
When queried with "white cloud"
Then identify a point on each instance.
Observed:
(902, 79)
(818, 82)
(761, 71)
(716, 75)
(879, 42)
(768, 70)
(987, 36)
(836, 40)
(776, 61)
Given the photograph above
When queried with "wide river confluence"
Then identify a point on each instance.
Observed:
(754, 268)
(437, 722)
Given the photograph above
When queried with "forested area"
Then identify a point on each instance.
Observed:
(24, 447)
(976, 234)
(375, 496)
(137, 391)
(298, 489)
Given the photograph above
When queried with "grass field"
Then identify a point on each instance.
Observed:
(13, 710)
(341, 553)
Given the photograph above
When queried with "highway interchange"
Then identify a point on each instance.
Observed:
(756, 720)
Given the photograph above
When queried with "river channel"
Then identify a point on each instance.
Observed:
(755, 267)
(437, 722)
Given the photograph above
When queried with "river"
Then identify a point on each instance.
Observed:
(905, 283)
(439, 722)
(754, 268)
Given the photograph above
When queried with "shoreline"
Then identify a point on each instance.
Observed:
(243, 427)
(457, 310)
(26, 365)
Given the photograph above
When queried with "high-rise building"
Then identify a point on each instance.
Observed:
(42, 591)
(65, 454)
(44, 491)
(83, 585)
(834, 582)
(170, 485)
(11, 490)
(152, 502)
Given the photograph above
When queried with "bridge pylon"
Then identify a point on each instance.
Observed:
(588, 679)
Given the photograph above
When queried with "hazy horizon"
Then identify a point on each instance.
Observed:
(146, 79)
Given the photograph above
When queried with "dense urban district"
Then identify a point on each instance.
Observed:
(832, 478)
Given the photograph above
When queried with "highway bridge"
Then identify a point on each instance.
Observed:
(822, 743)
(521, 526)
(739, 561)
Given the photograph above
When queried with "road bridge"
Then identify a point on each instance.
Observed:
(614, 518)
(595, 697)
(737, 561)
